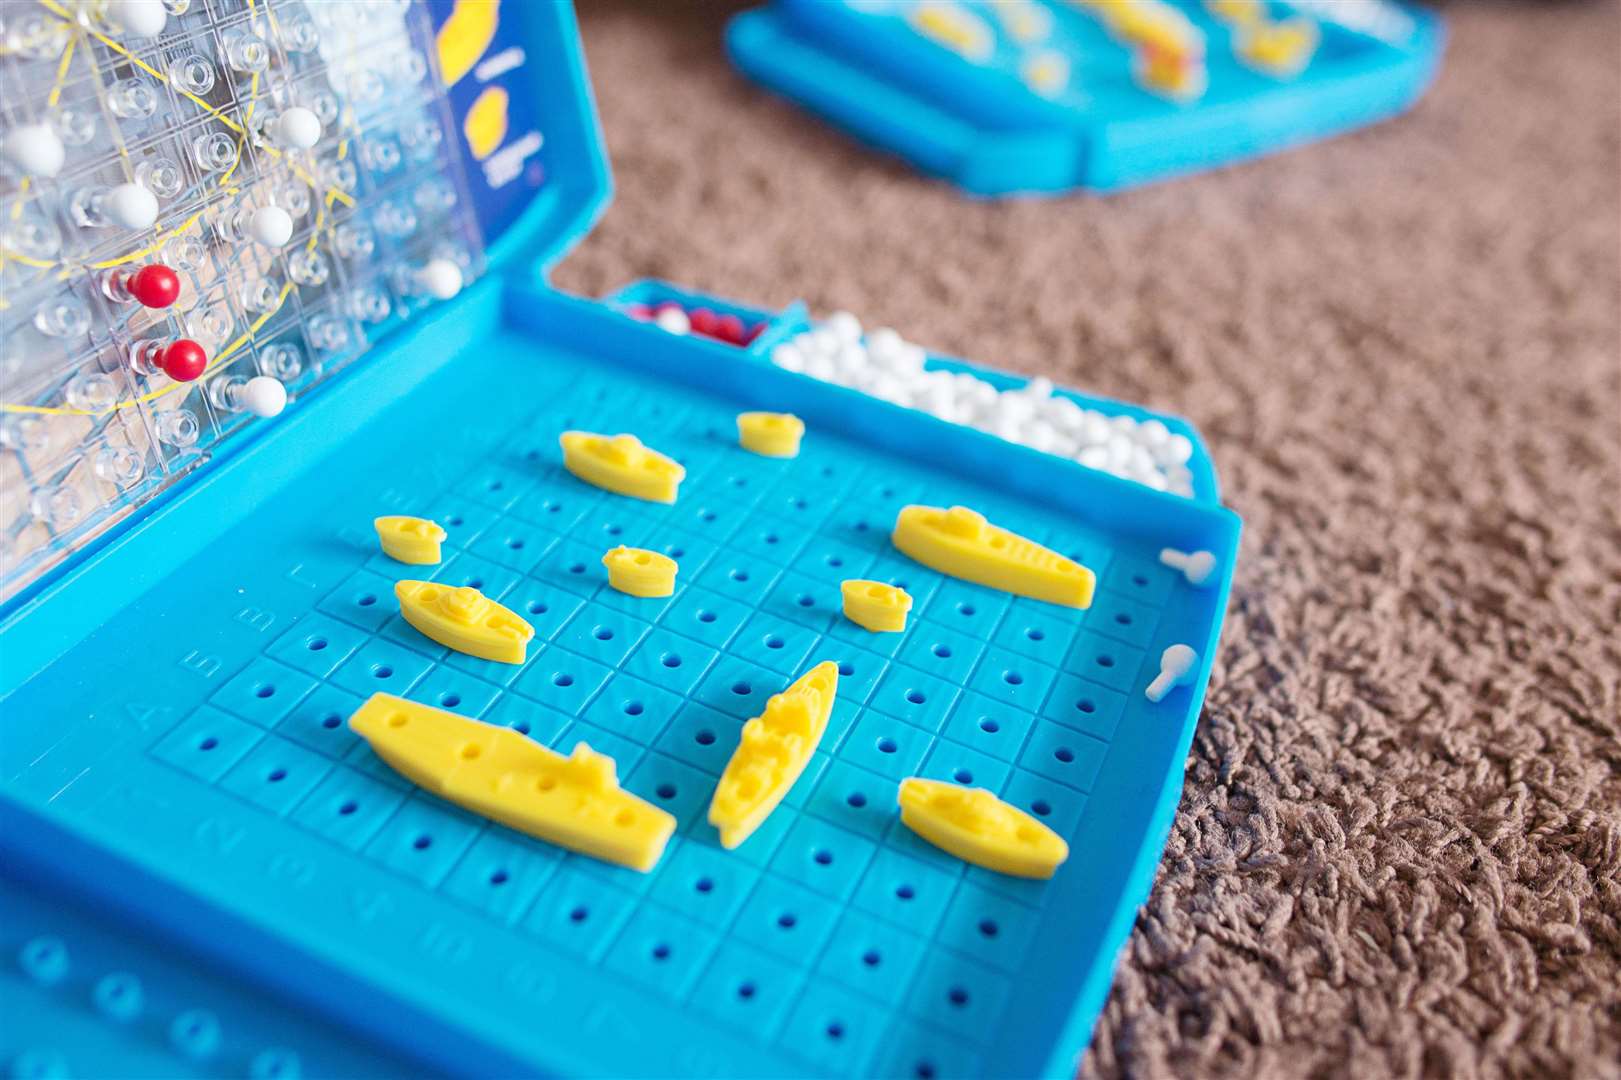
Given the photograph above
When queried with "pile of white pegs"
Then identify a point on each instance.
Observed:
(887, 366)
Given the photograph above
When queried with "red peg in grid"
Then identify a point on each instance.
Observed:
(154, 286)
(181, 359)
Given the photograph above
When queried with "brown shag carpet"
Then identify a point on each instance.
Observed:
(1399, 850)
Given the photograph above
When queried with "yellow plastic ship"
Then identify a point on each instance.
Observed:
(410, 540)
(464, 619)
(1280, 49)
(775, 748)
(574, 802)
(622, 465)
(977, 827)
(638, 572)
(960, 542)
(770, 434)
(875, 606)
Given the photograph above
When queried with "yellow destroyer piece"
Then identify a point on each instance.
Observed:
(770, 434)
(960, 542)
(977, 827)
(774, 750)
(875, 606)
(410, 540)
(638, 572)
(622, 465)
(464, 619)
(574, 802)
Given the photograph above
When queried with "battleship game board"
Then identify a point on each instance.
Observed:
(179, 655)
(1039, 96)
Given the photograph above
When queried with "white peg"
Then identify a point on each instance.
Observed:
(673, 319)
(35, 149)
(271, 226)
(296, 129)
(1176, 666)
(845, 326)
(260, 395)
(439, 278)
(129, 205)
(1196, 566)
(138, 18)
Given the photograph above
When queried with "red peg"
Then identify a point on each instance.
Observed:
(155, 286)
(181, 359)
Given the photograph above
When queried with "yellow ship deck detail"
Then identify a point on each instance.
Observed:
(622, 465)
(875, 606)
(977, 827)
(574, 802)
(639, 572)
(410, 540)
(464, 619)
(775, 748)
(770, 434)
(961, 543)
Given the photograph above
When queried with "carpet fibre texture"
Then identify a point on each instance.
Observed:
(1399, 848)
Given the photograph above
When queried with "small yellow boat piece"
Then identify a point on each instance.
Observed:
(622, 465)
(770, 434)
(977, 827)
(875, 606)
(955, 27)
(464, 619)
(772, 754)
(411, 540)
(960, 542)
(574, 802)
(639, 572)
(1281, 49)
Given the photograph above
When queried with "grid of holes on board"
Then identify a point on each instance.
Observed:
(833, 923)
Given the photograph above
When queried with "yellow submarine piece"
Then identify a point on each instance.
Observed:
(1281, 48)
(411, 540)
(977, 827)
(874, 606)
(574, 802)
(638, 572)
(770, 434)
(464, 619)
(622, 465)
(774, 750)
(960, 542)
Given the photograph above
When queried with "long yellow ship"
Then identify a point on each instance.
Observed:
(574, 802)
(622, 465)
(775, 748)
(976, 826)
(960, 542)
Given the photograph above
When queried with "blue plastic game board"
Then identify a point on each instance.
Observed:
(1029, 96)
(175, 761)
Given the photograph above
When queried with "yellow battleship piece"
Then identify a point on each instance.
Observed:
(574, 802)
(874, 606)
(977, 827)
(638, 572)
(411, 540)
(954, 27)
(1281, 49)
(960, 542)
(622, 465)
(1168, 48)
(770, 434)
(464, 619)
(774, 750)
